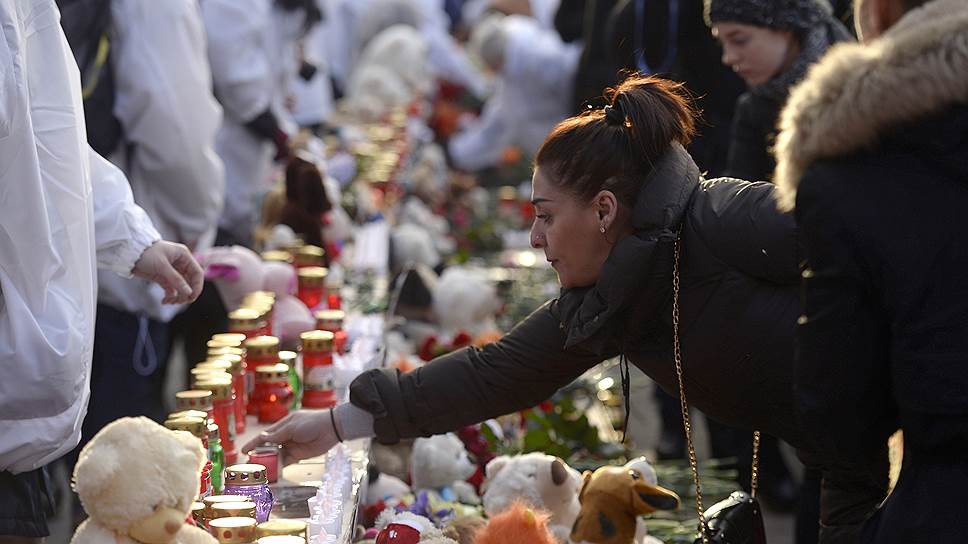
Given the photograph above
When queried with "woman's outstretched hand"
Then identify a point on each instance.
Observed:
(302, 434)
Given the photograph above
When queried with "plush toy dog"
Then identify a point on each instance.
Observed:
(136, 480)
(612, 498)
(541, 481)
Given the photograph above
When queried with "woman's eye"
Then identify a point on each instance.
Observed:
(544, 217)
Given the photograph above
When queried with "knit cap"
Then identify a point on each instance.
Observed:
(797, 16)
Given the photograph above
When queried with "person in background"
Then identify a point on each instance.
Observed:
(168, 119)
(248, 82)
(530, 61)
(770, 44)
(65, 213)
(872, 154)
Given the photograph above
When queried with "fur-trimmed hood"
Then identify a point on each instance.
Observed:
(918, 68)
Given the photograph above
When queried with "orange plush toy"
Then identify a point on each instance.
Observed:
(519, 524)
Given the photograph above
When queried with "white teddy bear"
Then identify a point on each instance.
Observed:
(441, 464)
(543, 481)
(137, 480)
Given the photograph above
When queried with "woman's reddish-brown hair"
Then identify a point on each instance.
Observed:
(615, 150)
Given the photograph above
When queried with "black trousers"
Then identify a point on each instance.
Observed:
(127, 371)
(26, 503)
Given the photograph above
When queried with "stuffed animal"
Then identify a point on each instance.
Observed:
(520, 524)
(136, 481)
(612, 498)
(408, 528)
(441, 464)
(539, 480)
(238, 271)
(463, 528)
(465, 301)
(384, 487)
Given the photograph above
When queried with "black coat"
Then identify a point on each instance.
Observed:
(738, 304)
(881, 187)
(751, 138)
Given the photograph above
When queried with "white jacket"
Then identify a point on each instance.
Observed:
(533, 95)
(163, 99)
(63, 212)
(240, 48)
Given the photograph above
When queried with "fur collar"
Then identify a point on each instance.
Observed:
(918, 68)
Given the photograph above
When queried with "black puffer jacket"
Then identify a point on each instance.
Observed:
(880, 180)
(739, 307)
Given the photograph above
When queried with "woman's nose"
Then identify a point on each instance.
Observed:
(537, 238)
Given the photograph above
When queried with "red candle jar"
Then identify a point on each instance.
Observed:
(196, 399)
(267, 456)
(229, 339)
(312, 285)
(198, 428)
(317, 352)
(246, 321)
(241, 383)
(224, 401)
(273, 394)
(309, 255)
(259, 351)
(237, 370)
(332, 321)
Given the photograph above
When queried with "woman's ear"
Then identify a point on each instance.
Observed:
(606, 205)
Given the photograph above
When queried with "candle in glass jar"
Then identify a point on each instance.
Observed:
(312, 285)
(289, 358)
(238, 509)
(282, 527)
(309, 255)
(249, 480)
(233, 530)
(332, 321)
(195, 399)
(273, 394)
(260, 351)
(246, 321)
(267, 456)
(318, 374)
(224, 414)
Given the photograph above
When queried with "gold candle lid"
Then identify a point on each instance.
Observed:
(288, 357)
(330, 320)
(312, 276)
(217, 364)
(232, 339)
(194, 399)
(198, 512)
(194, 425)
(317, 341)
(233, 530)
(281, 527)
(212, 500)
(277, 256)
(203, 374)
(246, 474)
(240, 509)
(262, 346)
(272, 373)
(235, 361)
(220, 388)
(244, 319)
(217, 352)
(309, 255)
(213, 431)
(188, 413)
(281, 539)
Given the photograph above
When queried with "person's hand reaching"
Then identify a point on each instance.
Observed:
(173, 268)
(302, 434)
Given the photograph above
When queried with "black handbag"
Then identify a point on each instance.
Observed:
(737, 519)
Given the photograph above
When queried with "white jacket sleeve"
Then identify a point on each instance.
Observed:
(169, 116)
(122, 230)
(481, 144)
(238, 46)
